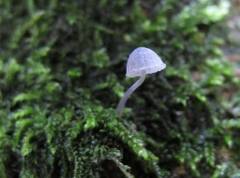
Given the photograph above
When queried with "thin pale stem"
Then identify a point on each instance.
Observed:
(128, 93)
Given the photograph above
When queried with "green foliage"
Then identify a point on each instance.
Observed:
(62, 74)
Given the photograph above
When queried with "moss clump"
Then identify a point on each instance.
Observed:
(62, 74)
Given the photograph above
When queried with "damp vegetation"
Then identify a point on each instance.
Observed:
(62, 73)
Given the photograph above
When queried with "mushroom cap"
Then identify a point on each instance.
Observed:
(143, 61)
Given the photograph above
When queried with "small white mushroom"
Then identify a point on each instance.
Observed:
(141, 61)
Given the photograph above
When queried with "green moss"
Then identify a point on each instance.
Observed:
(62, 70)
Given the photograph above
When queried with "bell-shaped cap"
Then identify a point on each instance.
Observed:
(143, 61)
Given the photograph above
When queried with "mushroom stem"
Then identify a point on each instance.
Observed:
(128, 93)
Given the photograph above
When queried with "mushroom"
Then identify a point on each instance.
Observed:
(141, 61)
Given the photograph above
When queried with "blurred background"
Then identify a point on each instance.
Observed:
(232, 52)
